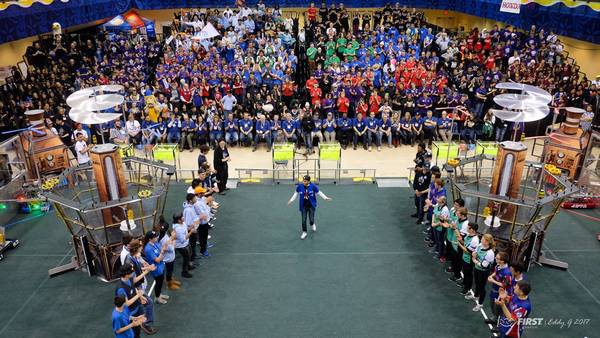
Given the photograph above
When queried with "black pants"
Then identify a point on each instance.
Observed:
(420, 204)
(159, 283)
(222, 176)
(193, 245)
(467, 270)
(480, 282)
(203, 236)
(185, 254)
(169, 270)
(346, 137)
(455, 261)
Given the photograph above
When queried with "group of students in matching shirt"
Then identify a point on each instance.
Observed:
(472, 257)
(134, 309)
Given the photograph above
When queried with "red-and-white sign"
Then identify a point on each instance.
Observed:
(511, 6)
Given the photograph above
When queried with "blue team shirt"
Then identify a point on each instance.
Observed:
(152, 251)
(360, 125)
(245, 125)
(120, 320)
(307, 193)
(519, 309)
(372, 123)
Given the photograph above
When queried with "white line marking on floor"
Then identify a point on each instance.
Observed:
(14, 316)
(574, 278)
(318, 253)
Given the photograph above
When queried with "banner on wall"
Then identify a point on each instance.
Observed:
(511, 6)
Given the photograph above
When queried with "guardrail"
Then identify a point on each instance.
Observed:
(292, 176)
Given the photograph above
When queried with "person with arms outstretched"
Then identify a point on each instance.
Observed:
(308, 202)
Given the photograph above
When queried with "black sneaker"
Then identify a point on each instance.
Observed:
(414, 215)
(495, 330)
(419, 221)
(459, 282)
(463, 292)
(449, 269)
(186, 274)
(453, 279)
(491, 321)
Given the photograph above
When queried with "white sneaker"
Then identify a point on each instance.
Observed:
(378, 148)
(477, 307)
(304, 234)
(164, 296)
(470, 296)
(314, 227)
(209, 237)
(369, 148)
(160, 300)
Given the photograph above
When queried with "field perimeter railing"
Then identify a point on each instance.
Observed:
(292, 176)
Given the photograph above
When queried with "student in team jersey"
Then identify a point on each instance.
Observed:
(440, 216)
(483, 258)
(501, 277)
(468, 244)
(515, 307)
(452, 233)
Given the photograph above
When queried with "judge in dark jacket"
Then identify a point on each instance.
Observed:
(220, 163)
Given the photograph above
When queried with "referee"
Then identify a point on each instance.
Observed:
(308, 202)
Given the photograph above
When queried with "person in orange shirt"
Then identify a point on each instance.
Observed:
(312, 13)
(310, 83)
(362, 108)
(374, 102)
(343, 103)
(315, 94)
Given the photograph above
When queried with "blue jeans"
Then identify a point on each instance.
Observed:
(308, 141)
(311, 215)
(174, 137)
(266, 137)
(377, 137)
(245, 138)
(500, 134)
(215, 137)
(231, 137)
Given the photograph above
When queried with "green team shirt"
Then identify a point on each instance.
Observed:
(481, 253)
(330, 48)
(355, 44)
(341, 44)
(311, 53)
(334, 59)
(350, 53)
(437, 212)
(466, 256)
(451, 237)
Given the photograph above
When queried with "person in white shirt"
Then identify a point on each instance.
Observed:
(81, 149)
(134, 129)
(228, 101)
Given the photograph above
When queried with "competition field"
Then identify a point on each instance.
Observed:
(364, 273)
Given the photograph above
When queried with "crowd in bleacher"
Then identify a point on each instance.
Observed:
(338, 76)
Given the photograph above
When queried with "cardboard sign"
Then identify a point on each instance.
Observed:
(511, 6)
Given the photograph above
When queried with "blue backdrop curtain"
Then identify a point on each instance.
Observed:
(15, 22)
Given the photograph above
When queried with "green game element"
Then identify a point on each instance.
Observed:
(283, 152)
(445, 151)
(487, 148)
(126, 150)
(330, 152)
(165, 152)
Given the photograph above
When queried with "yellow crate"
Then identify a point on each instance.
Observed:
(165, 152)
(283, 152)
(126, 150)
(330, 152)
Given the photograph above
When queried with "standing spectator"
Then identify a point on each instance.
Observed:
(228, 101)
(468, 245)
(155, 252)
(515, 307)
(182, 244)
(132, 299)
(167, 239)
(220, 162)
(82, 150)
(483, 258)
(123, 323)
(421, 183)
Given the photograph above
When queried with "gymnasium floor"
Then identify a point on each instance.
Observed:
(365, 273)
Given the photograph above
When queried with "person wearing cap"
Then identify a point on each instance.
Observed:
(154, 252)
(308, 202)
(132, 299)
(182, 243)
(421, 183)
